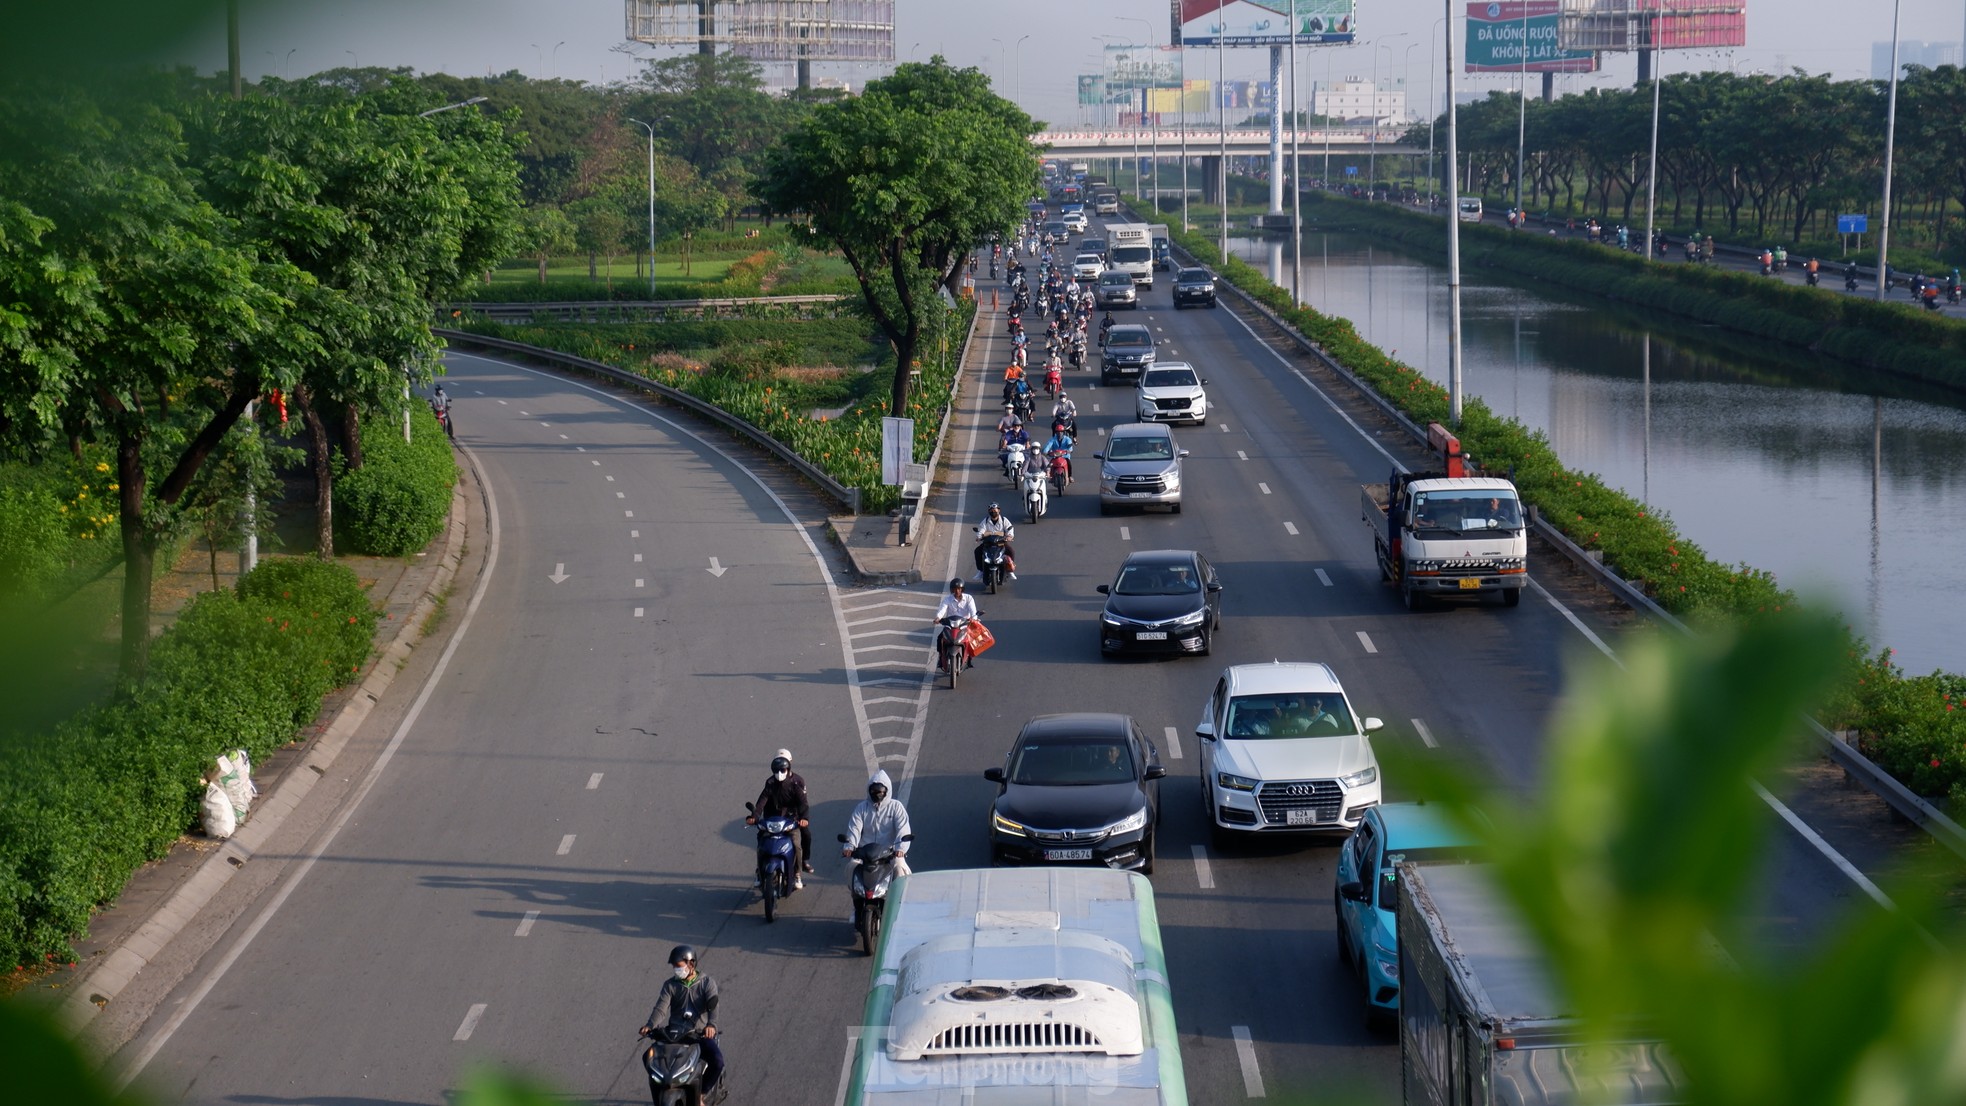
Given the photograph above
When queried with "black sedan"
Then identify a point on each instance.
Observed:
(1077, 789)
(1164, 600)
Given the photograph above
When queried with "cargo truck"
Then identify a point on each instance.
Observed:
(1441, 534)
(1480, 1025)
(1131, 251)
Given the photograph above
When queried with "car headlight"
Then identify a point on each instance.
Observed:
(1110, 620)
(1171, 478)
(1134, 821)
(1004, 825)
(1360, 778)
(1390, 968)
(1194, 619)
(1235, 783)
(1423, 566)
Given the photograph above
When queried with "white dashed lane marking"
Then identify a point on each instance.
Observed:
(1126, 534)
(594, 781)
(1365, 640)
(472, 1015)
(1173, 743)
(525, 924)
(1264, 488)
(1290, 528)
(1203, 875)
(1241, 456)
(1321, 577)
(1252, 1079)
(1426, 735)
(566, 845)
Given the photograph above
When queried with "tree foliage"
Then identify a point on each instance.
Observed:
(904, 180)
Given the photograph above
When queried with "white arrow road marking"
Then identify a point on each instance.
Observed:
(477, 1010)
(559, 573)
(1252, 1079)
(1426, 735)
(525, 924)
(1173, 743)
(716, 569)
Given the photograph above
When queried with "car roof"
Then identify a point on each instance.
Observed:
(1278, 676)
(1159, 365)
(1139, 430)
(1120, 329)
(1160, 557)
(1418, 826)
(1061, 727)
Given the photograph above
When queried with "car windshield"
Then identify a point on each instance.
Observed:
(1132, 253)
(1088, 259)
(1139, 449)
(1463, 511)
(1116, 279)
(1160, 579)
(1080, 762)
(1126, 338)
(1169, 378)
(1055, 226)
(1194, 276)
(1389, 872)
(1297, 714)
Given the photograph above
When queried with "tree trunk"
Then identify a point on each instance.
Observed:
(317, 437)
(542, 268)
(593, 271)
(139, 554)
(351, 437)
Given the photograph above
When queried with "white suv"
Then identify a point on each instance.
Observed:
(1281, 750)
(1171, 391)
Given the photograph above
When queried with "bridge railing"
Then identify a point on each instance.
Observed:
(1113, 138)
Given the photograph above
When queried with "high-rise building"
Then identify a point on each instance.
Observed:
(1931, 55)
(1354, 99)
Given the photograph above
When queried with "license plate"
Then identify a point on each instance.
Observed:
(1151, 635)
(1068, 854)
(1470, 584)
(1145, 493)
(1305, 817)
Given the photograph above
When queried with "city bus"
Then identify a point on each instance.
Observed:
(989, 980)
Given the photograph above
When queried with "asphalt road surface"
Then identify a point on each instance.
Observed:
(566, 804)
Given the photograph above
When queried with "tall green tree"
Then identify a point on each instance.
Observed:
(904, 180)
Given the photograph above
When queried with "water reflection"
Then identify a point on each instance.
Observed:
(1763, 459)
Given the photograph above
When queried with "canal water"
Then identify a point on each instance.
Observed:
(1761, 457)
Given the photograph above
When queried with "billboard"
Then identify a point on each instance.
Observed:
(1642, 24)
(1130, 68)
(1262, 22)
(1495, 38)
(1092, 89)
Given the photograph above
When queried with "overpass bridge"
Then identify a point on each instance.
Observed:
(1208, 142)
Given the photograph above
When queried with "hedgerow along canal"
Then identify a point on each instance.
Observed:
(1762, 458)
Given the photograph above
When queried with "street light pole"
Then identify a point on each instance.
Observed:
(1652, 165)
(1432, 115)
(1296, 187)
(1453, 235)
(1890, 141)
(651, 131)
(1522, 108)
(1372, 159)
(1222, 123)
(1147, 103)
(1017, 72)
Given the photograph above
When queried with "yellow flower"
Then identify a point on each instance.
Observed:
(102, 466)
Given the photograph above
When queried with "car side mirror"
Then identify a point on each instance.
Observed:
(1099, 456)
(1215, 587)
(1155, 772)
(1373, 724)
(994, 775)
(1180, 453)
(1204, 380)
(1205, 730)
(1353, 891)
(1104, 589)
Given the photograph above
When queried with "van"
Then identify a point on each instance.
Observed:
(1140, 467)
(1019, 985)
(1470, 209)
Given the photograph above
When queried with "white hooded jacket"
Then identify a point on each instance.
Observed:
(887, 823)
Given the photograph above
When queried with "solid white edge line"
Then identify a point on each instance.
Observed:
(846, 1064)
(1204, 875)
(1810, 835)
(1426, 735)
(148, 1051)
(470, 1022)
(1173, 743)
(1252, 1079)
(525, 923)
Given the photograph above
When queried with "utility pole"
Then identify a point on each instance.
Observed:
(1453, 239)
(1890, 139)
(651, 131)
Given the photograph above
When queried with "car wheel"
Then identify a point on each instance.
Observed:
(1147, 854)
(1207, 643)
(1338, 927)
(1105, 508)
(1177, 507)
(1512, 597)
(1378, 1019)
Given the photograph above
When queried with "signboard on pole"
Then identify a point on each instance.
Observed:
(1495, 39)
(1652, 24)
(1263, 22)
(1092, 89)
(897, 448)
(1852, 224)
(1131, 68)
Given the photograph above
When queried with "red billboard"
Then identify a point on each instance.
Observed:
(1642, 24)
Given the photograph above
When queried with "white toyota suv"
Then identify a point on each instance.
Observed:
(1281, 750)
(1171, 391)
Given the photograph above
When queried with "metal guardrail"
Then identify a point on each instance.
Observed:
(847, 497)
(1906, 803)
(611, 311)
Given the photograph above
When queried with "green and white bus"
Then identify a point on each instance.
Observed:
(1016, 986)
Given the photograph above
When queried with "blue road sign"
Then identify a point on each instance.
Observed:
(1351, 170)
(1852, 224)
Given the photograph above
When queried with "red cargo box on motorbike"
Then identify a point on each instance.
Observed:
(977, 638)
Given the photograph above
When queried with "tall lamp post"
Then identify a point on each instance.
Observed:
(1432, 115)
(1453, 236)
(1372, 159)
(1522, 109)
(1222, 123)
(1890, 141)
(651, 131)
(1147, 99)
(1017, 71)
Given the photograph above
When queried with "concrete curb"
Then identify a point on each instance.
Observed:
(95, 986)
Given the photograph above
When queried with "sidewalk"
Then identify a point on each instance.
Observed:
(873, 543)
(166, 895)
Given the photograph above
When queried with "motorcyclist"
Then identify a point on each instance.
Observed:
(440, 402)
(782, 799)
(1010, 419)
(1060, 443)
(1767, 261)
(688, 1002)
(1015, 436)
(1105, 324)
(1065, 413)
(997, 523)
(879, 818)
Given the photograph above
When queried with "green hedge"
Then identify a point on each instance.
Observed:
(398, 500)
(82, 807)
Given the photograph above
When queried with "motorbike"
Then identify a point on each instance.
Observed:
(1781, 261)
(674, 1061)
(1013, 459)
(778, 862)
(1067, 423)
(1026, 404)
(443, 413)
(1054, 379)
(873, 870)
(1061, 472)
(1849, 282)
(996, 563)
(950, 653)
(1812, 278)
(1931, 297)
(1036, 497)
(1692, 253)
(1767, 267)
(1952, 292)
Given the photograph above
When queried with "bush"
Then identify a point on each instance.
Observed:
(82, 807)
(398, 500)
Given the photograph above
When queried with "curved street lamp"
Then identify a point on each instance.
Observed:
(651, 131)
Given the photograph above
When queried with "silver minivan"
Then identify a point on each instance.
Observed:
(1141, 467)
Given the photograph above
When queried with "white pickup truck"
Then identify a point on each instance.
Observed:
(1439, 535)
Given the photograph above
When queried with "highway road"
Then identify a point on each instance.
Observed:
(563, 802)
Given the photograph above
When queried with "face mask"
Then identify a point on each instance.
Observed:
(682, 971)
(780, 776)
